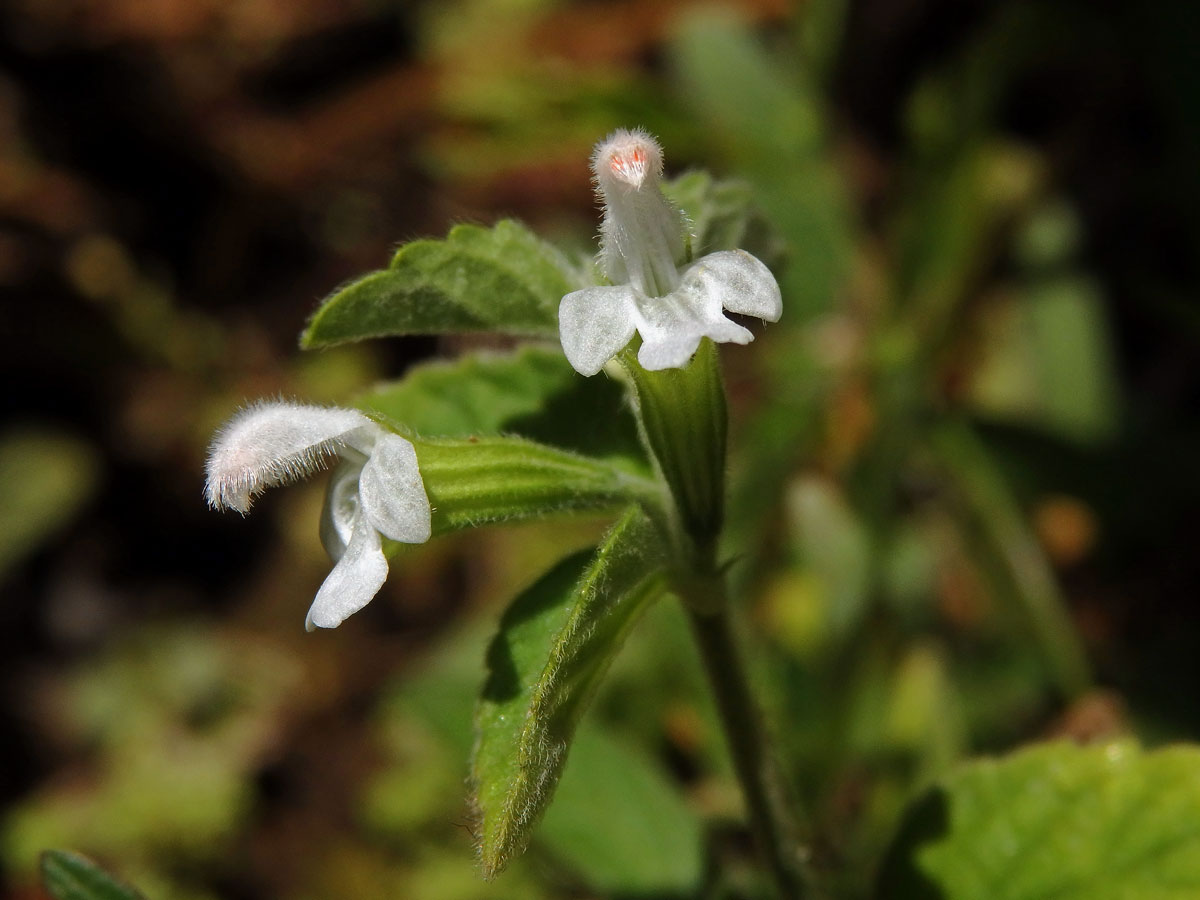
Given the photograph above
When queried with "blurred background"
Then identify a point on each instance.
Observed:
(964, 462)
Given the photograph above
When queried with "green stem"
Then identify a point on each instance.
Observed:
(769, 801)
(682, 418)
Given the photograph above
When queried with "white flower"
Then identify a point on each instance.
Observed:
(673, 304)
(376, 491)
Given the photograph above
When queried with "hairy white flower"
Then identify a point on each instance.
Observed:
(655, 291)
(376, 491)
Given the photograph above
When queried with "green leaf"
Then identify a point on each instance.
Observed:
(69, 876)
(481, 481)
(1073, 823)
(634, 837)
(474, 394)
(503, 279)
(639, 837)
(554, 644)
(533, 393)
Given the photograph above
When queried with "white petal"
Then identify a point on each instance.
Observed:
(668, 354)
(356, 578)
(673, 326)
(341, 509)
(738, 282)
(274, 443)
(594, 324)
(392, 494)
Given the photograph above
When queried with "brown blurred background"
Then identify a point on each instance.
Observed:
(181, 182)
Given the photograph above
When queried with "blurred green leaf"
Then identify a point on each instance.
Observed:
(618, 821)
(421, 781)
(45, 477)
(765, 116)
(500, 279)
(480, 481)
(1047, 361)
(958, 102)
(179, 720)
(755, 103)
(893, 720)
(924, 714)
(1051, 236)
(724, 216)
(1009, 552)
(221, 686)
(821, 26)
(1003, 688)
(1075, 823)
(908, 569)
(835, 547)
(532, 392)
(951, 227)
(784, 429)
(1075, 360)
(554, 644)
(69, 876)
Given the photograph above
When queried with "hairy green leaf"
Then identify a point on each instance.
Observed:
(532, 392)
(480, 481)
(554, 644)
(69, 876)
(502, 279)
(1073, 823)
(475, 394)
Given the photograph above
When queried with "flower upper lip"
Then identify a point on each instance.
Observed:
(377, 491)
(655, 291)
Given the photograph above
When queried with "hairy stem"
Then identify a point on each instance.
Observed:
(683, 420)
(769, 801)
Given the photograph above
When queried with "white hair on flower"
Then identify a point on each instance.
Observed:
(269, 443)
(654, 290)
(376, 492)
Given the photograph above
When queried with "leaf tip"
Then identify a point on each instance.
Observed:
(309, 338)
(490, 847)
